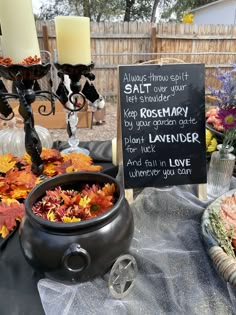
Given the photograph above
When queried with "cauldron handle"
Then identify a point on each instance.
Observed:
(75, 258)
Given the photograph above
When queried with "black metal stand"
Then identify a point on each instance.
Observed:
(76, 100)
(74, 72)
(25, 78)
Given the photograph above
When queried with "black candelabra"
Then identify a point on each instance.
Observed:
(76, 99)
(26, 90)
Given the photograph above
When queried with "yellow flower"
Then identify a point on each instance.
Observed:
(209, 135)
(84, 201)
(51, 215)
(212, 146)
(211, 142)
(69, 219)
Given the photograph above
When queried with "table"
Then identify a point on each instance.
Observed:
(18, 281)
(176, 275)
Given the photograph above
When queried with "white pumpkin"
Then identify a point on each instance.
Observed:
(12, 137)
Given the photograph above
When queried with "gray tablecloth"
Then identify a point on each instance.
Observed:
(175, 276)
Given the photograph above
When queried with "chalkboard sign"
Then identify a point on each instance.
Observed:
(162, 110)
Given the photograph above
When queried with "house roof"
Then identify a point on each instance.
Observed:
(206, 5)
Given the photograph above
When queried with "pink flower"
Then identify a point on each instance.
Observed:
(227, 117)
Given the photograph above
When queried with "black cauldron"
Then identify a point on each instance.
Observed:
(79, 251)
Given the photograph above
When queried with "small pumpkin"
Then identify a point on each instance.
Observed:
(12, 137)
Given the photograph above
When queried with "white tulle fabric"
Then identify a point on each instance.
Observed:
(176, 275)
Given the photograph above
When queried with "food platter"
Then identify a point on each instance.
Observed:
(222, 259)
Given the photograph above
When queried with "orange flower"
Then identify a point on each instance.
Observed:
(100, 203)
(71, 206)
(31, 60)
(109, 189)
(27, 61)
(5, 61)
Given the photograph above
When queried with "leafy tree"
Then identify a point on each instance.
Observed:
(103, 10)
(117, 10)
(140, 10)
(98, 10)
(86, 8)
(128, 9)
(154, 10)
(49, 10)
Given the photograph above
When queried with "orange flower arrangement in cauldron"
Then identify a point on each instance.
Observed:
(17, 180)
(59, 205)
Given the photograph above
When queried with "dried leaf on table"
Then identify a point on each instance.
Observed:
(80, 162)
(50, 169)
(25, 159)
(7, 162)
(9, 213)
(19, 192)
(51, 155)
(62, 167)
(77, 166)
(21, 178)
(77, 156)
(3, 186)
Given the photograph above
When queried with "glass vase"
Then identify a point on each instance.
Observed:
(220, 171)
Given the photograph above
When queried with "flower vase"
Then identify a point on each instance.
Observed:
(220, 171)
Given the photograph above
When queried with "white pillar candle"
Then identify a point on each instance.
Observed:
(73, 39)
(114, 151)
(19, 35)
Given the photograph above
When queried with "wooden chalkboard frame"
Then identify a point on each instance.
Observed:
(199, 75)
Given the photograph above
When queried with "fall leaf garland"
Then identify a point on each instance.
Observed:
(17, 180)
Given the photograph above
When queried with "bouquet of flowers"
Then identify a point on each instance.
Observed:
(226, 104)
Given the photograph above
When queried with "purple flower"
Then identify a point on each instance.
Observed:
(226, 95)
(227, 117)
(226, 103)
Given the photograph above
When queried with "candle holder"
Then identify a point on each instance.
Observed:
(25, 78)
(26, 90)
(75, 101)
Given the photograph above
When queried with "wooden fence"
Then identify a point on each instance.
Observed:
(114, 44)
